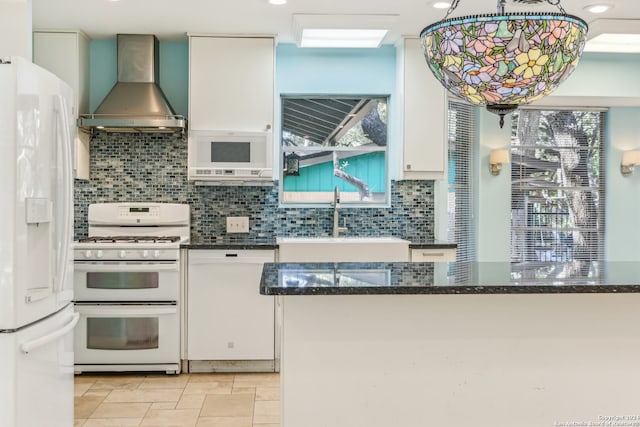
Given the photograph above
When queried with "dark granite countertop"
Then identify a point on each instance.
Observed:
(241, 242)
(235, 242)
(449, 278)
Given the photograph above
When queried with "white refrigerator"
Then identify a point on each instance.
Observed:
(36, 266)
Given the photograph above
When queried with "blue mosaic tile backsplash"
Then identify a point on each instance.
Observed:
(137, 167)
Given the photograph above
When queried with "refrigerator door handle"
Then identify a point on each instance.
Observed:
(29, 346)
(63, 122)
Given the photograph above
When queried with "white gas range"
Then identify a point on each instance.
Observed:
(127, 287)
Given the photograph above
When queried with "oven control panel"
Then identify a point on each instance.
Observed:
(138, 212)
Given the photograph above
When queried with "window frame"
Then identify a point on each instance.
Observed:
(281, 150)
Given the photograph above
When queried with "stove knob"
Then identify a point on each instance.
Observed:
(156, 254)
(99, 254)
(88, 254)
(145, 254)
(122, 254)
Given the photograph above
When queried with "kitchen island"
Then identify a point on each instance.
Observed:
(458, 345)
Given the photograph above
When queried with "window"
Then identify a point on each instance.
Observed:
(461, 125)
(461, 137)
(334, 141)
(557, 185)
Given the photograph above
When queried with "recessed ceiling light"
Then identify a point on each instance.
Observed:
(278, 2)
(598, 8)
(441, 5)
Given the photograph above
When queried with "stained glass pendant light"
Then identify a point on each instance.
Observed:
(502, 60)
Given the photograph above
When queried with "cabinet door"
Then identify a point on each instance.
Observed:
(424, 114)
(227, 318)
(66, 54)
(231, 83)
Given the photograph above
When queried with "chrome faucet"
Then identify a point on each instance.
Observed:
(336, 215)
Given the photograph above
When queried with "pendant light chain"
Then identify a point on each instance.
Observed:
(501, 6)
(453, 6)
(557, 3)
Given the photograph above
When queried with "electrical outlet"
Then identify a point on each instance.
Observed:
(237, 224)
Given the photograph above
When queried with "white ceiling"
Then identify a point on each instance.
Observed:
(171, 20)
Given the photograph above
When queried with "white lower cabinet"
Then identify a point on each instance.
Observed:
(230, 326)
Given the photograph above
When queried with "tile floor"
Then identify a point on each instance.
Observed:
(187, 400)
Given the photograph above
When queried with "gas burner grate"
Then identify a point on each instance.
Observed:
(131, 239)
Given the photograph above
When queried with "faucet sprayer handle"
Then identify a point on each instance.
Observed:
(336, 194)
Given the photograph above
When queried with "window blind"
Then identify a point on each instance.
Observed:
(462, 125)
(557, 185)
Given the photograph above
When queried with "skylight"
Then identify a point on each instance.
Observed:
(332, 37)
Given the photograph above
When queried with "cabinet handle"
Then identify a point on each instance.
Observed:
(433, 254)
(231, 255)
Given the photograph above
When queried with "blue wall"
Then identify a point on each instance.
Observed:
(335, 71)
(174, 72)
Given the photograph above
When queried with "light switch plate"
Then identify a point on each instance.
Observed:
(237, 224)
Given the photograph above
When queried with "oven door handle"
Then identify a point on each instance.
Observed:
(138, 310)
(125, 267)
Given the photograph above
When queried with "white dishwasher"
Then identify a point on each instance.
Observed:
(230, 326)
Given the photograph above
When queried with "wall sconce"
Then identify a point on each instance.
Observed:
(497, 158)
(630, 159)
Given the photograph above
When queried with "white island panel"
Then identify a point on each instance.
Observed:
(459, 360)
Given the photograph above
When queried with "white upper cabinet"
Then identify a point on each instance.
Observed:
(66, 54)
(231, 83)
(424, 112)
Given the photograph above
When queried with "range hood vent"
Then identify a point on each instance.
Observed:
(136, 103)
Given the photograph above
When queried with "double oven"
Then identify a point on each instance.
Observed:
(127, 283)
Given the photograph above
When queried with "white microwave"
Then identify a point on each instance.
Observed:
(230, 156)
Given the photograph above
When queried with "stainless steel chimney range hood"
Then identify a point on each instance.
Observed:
(135, 103)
